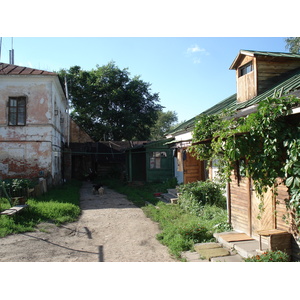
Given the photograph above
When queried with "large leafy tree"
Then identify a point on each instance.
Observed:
(293, 44)
(109, 105)
(165, 121)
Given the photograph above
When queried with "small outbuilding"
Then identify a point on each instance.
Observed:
(150, 162)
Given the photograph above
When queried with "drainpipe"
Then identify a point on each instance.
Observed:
(68, 115)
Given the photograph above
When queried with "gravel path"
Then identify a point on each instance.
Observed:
(110, 229)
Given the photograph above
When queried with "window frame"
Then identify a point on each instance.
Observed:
(17, 112)
(243, 70)
(156, 159)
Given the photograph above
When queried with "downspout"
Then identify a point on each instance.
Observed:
(68, 115)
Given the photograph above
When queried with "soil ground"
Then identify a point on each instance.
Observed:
(110, 229)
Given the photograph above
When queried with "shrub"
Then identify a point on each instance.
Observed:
(269, 256)
(193, 196)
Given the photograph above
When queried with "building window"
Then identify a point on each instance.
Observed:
(245, 69)
(17, 111)
(155, 159)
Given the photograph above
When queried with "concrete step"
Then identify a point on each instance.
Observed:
(171, 196)
(211, 252)
(245, 249)
(229, 258)
(191, 256)
(173, 192)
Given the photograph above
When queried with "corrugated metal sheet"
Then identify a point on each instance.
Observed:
(8, 69)
(268, 53)
(228, 103)
(262, 53)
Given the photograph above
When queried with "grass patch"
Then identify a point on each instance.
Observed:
(140, 195)
(182, 230)
(58, 205)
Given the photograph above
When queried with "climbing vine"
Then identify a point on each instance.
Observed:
(268, 140)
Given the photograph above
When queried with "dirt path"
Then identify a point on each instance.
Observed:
(110, 229)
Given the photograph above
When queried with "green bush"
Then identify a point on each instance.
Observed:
(193, 196)
(269, 256)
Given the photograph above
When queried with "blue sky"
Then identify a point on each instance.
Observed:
(190, 73)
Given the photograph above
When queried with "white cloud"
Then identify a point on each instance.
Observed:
(196, 60)
(195, 52)
(194, 49)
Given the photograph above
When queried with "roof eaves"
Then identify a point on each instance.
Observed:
(227, 103)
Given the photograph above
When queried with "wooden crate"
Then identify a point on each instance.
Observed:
(276, 240)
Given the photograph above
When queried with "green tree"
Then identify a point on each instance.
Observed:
(109, 105)
(163, 124)
(293, 44)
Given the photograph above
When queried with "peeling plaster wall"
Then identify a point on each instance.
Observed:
(33, 150)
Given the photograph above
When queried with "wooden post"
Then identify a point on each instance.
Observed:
(229, 202)
(249, 189)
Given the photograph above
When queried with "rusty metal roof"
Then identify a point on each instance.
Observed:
(8, 69)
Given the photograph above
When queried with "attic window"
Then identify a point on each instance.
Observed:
(245, 69)
(17, 111)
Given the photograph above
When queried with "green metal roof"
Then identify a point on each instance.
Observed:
(228, 103)
(263, 53)
(268, 53)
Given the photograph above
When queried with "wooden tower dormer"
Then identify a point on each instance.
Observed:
(257, 71)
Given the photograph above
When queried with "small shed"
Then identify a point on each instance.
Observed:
(150, 162)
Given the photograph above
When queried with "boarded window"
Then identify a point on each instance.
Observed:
(156, 159)
(17, 111)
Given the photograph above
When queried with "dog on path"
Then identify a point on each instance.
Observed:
(98, 189)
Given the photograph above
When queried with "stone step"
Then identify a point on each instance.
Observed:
(229, 258)
(210, 250)
(170, 197)
(173, 192)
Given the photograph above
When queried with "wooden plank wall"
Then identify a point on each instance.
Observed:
(239, 204)
(269, 71)
(246, 85)
(240, 217)
(281, 207)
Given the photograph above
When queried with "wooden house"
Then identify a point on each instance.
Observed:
(258, 75)
(186, 167)
(150, 162)
(34, 124)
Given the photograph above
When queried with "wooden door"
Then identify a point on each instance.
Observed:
(193, 169)
(267, 216)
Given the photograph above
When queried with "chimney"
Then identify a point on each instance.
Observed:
(11, 57)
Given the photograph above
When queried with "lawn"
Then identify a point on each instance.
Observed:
(58, 205)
